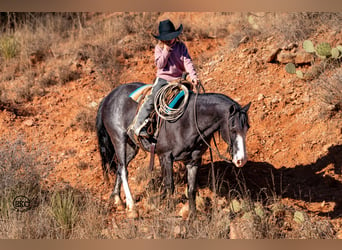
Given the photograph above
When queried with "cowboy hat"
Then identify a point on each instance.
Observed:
(167, 31)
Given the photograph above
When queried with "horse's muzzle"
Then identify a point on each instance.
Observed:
(240, 162)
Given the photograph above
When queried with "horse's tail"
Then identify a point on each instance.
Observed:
(106, 147)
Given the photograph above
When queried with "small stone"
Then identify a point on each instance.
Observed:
(261, 97)
(286, 57)
(184, 212)
(178, 231)
(28, 123)
(272, 57)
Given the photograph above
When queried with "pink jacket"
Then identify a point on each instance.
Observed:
(171, 64)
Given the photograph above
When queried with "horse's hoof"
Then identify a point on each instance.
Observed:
(132, 214)
(118, 204)
(119, 207)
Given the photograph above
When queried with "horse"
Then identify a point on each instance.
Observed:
(185, 139)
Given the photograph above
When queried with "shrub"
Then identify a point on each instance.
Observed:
(329, 90)
(9, 47)
(65, 211)
(86, 119)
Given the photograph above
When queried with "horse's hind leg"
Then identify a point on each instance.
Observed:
(116, 193)
(120, 144)
(192, 182)
(131, 153)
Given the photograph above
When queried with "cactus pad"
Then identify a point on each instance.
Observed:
(323, 49)
(290, 68)
(308, 46)
(300, 74)
(335, 53)
(235, 206)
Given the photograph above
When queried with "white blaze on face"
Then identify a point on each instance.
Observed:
(240, 157)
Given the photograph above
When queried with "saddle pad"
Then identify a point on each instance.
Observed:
(137, 94)
(175, 101)
(140, 92)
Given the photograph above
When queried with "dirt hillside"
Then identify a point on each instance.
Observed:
(294, 146)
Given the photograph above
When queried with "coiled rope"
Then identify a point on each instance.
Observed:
(162, 101)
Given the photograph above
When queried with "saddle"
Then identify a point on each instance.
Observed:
(173, 99)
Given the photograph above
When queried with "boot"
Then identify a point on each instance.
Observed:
(141, 130)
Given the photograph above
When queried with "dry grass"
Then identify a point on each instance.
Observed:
(69, 213)
(294, 27)
(328, 88)
(86, 119)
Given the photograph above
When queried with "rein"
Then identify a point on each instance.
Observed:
(211, 149)
(222, 157)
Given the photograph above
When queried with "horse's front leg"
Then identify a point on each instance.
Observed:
(192, 187)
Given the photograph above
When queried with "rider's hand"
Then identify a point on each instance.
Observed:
(195, 83)
(167, 47)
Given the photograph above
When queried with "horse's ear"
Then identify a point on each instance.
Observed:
(246, 108)
(232, 109)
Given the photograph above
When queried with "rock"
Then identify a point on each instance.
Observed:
(303, 57)
(93, 104)
(178, 231)
(184, 212)
(261, 97)
(245, 39)
(273, 55)
(290, 46)
(275, 100)
(300, 57)
(286, 57)
(339, 235)
(28, 122)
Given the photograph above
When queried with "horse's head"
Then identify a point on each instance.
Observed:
(235, 133)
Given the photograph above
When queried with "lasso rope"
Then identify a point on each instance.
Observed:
(162, 98)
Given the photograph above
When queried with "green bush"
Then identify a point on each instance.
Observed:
(9, 47)
(64, 210)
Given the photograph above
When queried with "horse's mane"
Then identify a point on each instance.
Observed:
(221, 99)
(217, 98)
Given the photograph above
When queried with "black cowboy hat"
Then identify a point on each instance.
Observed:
(167, 31)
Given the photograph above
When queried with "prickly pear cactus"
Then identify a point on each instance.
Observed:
(339, 47)
(308, 46)
(290, 68)
(300, 217)
(299, 73)
(235, 206)
(323, 49)
(335, 53)
(259, 210)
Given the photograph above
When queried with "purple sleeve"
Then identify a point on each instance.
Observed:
(161, 55)
(188, 65)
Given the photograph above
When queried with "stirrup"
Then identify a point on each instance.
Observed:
(143, 133)
(138, 130)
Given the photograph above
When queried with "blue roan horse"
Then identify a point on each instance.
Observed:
(177, 141)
